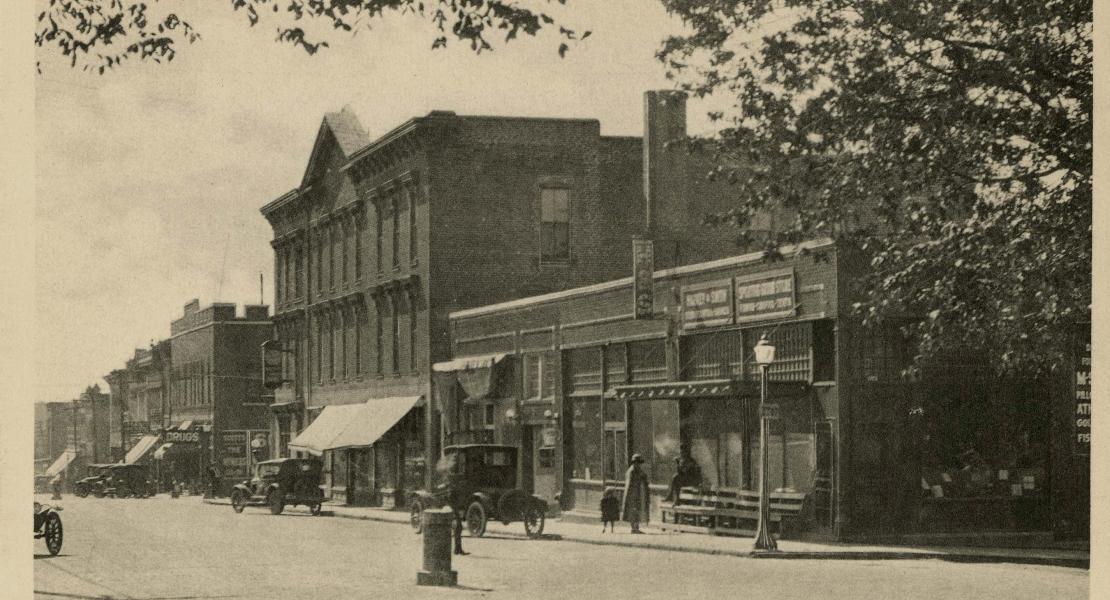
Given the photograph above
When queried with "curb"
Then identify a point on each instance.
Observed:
(1074, 563)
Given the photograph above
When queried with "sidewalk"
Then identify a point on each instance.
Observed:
(653, 538)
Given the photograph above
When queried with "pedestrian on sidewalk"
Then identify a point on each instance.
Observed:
(56, 486)
(610, 509)
(635, 493)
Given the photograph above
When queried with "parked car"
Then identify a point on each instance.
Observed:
(93, 482)
(48, 526)
(485, 476)
(126, 481)
(279, 483)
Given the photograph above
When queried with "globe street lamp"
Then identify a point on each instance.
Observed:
(764, 356)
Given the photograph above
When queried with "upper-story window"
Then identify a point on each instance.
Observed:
(345, 237)
(358, 227)
(411, 193)
(533, 376)
(320, 263)
(333, 241)
(395, 246)
(298, 280)
(554, 225)
(379, 238)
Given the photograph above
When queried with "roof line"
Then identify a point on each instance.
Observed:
(712, 265)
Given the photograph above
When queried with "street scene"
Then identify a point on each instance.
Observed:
(662, 298)
(298, 556)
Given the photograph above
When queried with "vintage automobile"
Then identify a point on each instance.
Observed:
(93, 483)
(48, 526)
(281, 482)
(484, 477)
(126, 481)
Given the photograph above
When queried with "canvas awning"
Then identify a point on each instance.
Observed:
(352, 425)
(477, 375)
(140, 449)
(185, 425)
(61, 463)
(161, 451)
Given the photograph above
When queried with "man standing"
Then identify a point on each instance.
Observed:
(635, 493)
(687, 473)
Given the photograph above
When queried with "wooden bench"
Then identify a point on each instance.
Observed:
(727, 511)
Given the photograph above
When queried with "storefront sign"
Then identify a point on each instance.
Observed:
(707, 304)
(234, 454)
(1082, 389)
(643, 284)
(765, 296)
(181, 437)
(548, 437)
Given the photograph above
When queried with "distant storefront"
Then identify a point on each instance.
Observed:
(874, 446)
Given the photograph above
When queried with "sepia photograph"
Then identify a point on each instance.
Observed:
(556, 299)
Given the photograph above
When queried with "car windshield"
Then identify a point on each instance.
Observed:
(268, 470)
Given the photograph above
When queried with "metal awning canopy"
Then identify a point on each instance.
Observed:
(61, 463)
(469, 363)
(140, 449)
(352, 425)
(712, 388)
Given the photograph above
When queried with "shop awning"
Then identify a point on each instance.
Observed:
(713, 388)
(185, 425)
(352, 425)
(161, 451)
(140, 449)
(376, 417)
(477, 375)
(61, 463)
(319, 435)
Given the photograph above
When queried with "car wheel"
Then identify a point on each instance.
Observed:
(277, 503)
(476, 519)
(53, 533)
(81, 491)
(534, 517)
(315, 508)
(416, 515)
(238, 502)
(98, 492)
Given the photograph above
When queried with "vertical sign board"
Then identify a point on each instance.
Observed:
(234, 451)
(707, 304)
(1081, 385)
(643, 271)
(766, 295)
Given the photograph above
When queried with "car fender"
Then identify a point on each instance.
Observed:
(242, 488)
(484, 498)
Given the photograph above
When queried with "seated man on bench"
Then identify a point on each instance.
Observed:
(687, 473)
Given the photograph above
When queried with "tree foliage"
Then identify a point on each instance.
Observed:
(101, 34)
(949, 140)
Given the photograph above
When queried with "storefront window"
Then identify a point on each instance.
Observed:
(339, 468)
(655, 436)
(714, 429)
(586, 427)
(793, 352)
(717, 355)
(648, 361)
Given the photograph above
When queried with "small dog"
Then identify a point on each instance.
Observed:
(610, 509)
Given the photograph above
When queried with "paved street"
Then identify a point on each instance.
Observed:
(163, 548)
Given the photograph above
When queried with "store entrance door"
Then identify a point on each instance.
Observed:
(824, 487)
(544, 481)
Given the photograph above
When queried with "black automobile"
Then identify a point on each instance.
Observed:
(127, 481)
(279, 483)
(93, 482)
(484, 476)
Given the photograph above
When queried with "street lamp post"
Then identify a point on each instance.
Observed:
(764, 356)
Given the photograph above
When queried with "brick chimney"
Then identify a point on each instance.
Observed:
(665, 176)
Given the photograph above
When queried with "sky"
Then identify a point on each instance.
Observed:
(149, 179)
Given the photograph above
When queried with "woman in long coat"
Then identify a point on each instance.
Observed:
(634, 505)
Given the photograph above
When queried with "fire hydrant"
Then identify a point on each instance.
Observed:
(437, 549)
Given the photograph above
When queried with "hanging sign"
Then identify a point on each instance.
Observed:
(765, 296)
(1081, 385)
(643, 284)
(707, 304)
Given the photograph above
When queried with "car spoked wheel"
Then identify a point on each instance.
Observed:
(416, 515)
(238, 502)
(315, 509)
(476, 519)
(82, 491)
(53, 533)
(534, 518)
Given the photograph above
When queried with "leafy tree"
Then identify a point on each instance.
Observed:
(101, 34)
(949, 140)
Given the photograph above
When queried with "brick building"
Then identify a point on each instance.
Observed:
(144, 401)
(384, 238)
(875, 450)
(214, 399)
(117, 408)
(70, 435)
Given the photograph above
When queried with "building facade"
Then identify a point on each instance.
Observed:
(384, 238)
(215, 404)
(876, 447)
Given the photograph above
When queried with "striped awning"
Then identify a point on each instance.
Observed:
(140, 449)
(61, 463)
